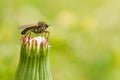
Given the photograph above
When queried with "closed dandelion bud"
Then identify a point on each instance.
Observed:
(34, 62)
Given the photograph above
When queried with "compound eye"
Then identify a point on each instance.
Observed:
(46, 26)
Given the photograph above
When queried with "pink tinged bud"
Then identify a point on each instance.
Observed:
(36, 43)
(23, 39)
(29, 37)
(34, 62)
(39, 42)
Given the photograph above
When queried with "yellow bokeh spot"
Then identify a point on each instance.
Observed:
(66, 18)
(89, 23)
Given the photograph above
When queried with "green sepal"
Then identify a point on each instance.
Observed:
(33, 63)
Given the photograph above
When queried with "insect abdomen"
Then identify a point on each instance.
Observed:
(24, 31)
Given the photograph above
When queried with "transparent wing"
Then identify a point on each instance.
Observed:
(21, 27)
(26, 26)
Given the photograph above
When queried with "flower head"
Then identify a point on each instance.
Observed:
(36, 44)
(34, 62)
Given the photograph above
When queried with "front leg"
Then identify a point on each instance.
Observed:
(48, 34)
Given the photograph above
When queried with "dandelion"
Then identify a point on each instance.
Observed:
(34, 60)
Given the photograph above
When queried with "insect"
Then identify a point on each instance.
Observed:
(38, 28)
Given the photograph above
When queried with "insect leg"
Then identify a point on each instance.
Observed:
(29, 33)
(48, 34)
(42, 34)
(37, 32)
(26, 34)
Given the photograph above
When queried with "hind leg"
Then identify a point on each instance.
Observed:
(29, 33)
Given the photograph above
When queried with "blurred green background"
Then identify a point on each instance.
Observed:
(85, 36)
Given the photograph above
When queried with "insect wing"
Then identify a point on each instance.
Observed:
(21, 27)
(26, 26)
